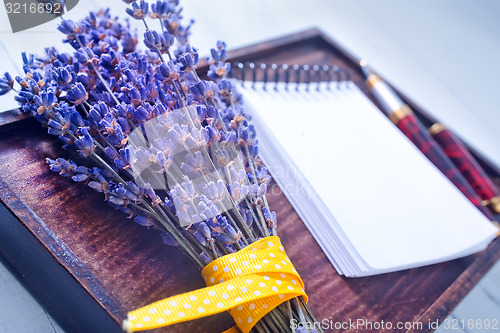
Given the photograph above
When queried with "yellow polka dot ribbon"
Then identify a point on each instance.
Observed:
(248, 284)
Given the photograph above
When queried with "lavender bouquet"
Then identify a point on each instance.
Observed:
(172, 151)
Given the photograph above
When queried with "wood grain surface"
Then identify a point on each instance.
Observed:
(124, 266)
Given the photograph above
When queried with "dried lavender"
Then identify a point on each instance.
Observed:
(172, 151)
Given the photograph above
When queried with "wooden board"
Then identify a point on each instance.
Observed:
(88, 264)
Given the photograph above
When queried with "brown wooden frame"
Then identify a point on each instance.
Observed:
(89, 265)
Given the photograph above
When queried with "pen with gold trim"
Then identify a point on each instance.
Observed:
(467, 165)
(402, 116)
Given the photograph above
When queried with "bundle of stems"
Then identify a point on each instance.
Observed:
(174, 152)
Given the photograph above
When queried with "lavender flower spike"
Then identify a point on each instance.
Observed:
(175, 153)
(138, 12)
(85, 142)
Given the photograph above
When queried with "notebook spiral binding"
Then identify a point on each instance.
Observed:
(272, 74)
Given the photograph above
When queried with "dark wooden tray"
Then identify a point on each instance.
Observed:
(89, 265)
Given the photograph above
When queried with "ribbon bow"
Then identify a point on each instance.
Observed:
(248, 284)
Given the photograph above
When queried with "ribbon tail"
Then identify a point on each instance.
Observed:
(248, 284)
(246, 308)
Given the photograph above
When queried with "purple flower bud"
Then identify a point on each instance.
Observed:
(229, 248)
(248, 217)
(225, 86)
(6, 84)
(81, 56)
(203, 228)
(26, 94)
(83, 79)
(243, 133)
(230, 231)
(199, 237)
(125, 127)
(214, 191)
(188, 60)
(159, 9)
(27, 59)
(80, 178)
(212, 112)
(148, 190)
(254, 150)
(221, 219)
(212, 133)
(262, 190)
(85, 142)
(96, 186)
(95, 115)
(77, 94)
(231, 137)
(168, 239)
(200, 89)
(121, 110)
(138, 12)
(225, 239)
(101, 174)
(141, 115)
(201, 110)
(164, 70)
(167, 40)
(76, 118)
(130, 74)
(219, 70)
(152, 40)
(67, 27)
(206, 259)
(143, 220)
(219, 54)
(125, 193)
(116, 200)
(269, 216)
(110, 152)
(53, 165)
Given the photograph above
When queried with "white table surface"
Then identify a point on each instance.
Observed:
(442, 54)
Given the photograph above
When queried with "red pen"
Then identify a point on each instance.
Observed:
(468, 166)
(402, 116)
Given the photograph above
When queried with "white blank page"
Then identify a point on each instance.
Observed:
(393, 205)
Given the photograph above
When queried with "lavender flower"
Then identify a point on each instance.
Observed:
(77, 95)
(196, 165)
(67, 27)
(215, 191)
(170, 150)
(144, 221)
(184, 191)
(45, 101)
(138, 11)
(85, 142)
(6, 84)
(152, 40)
(219, 71)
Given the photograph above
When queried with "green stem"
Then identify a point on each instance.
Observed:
(289, 308)
(261, 328)
(263, 221)
(255, 218)
(168, 224)
(99, 74)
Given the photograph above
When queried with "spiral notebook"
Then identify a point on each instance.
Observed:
(371, 200)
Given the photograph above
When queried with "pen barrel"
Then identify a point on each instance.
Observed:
(467, 165)
(418, 134)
